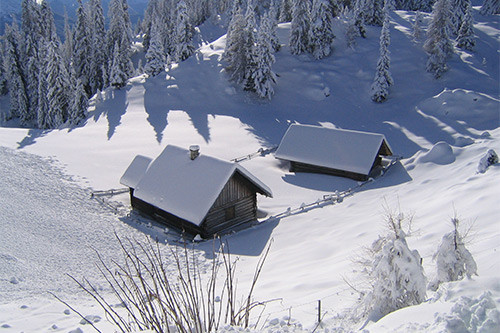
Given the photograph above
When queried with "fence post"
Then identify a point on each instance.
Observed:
(319, 311)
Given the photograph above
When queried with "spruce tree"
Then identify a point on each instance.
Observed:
(355, 25)
(121, 66)
(299, 35)
(417, 26)
(43, 119)
(31, 31)
(373, 12)
(82, 48)
(273, 26)
(236, 48)
(438, 44)
(490, 7)
(286, 11)
(58, 92)
(155, 56)
(47, 23)
(183, 33)
(3, 76)
(321, 32)
(251, 52)
(119, 41)
(263, 77)
(67, 47)
(98, 39)
(19, 107)
(465, 39)
(383, 78)
(79, 104)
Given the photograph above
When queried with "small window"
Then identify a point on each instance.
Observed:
(229, 213)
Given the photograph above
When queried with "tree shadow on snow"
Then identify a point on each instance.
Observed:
(31, 137)
(114, 106)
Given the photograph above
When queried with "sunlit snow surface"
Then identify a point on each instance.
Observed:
(442, 128)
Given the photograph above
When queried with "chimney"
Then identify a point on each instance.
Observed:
(194, 151)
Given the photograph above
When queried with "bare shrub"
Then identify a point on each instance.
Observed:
(183, 298)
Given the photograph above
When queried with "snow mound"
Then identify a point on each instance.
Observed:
(472, 315)
(479, 110)
(489, 159)
(441, 153)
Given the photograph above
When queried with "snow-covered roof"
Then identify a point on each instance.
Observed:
(188, 188)
(338, 149)
(135, 171)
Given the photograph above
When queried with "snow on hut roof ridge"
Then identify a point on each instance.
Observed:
(334, 148)
(135, 171)
(188, 188)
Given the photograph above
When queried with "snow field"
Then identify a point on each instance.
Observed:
(439, 126)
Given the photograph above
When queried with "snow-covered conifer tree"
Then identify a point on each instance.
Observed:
(58, 87)
(98, 39)
(490, 7)
(285, 11)
(155, 56)
(121, 66)
(15, 77)
(355, 26)
(42, 116)
(394, 271)
(465, 39)
(321, 31)
(299, 35)
(373, 12)
(3, 76)
(251, 53)
(417, 26)
(383, 78)
(47, 24)
(236, 48)
(82, 48)
(459, 9)
(454, 261)
(273, 25)
(438, 44)
(149, 14)
(67, 47)
(263, 77)
(79, 104)
(119, 25)
(183, 33)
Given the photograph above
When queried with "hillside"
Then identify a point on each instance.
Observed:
(441, 128)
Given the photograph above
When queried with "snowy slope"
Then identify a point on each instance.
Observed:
(442, 128)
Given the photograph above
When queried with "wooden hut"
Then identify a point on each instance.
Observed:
(337, 152)
(192, 192)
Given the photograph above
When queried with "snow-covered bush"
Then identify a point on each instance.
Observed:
(487, 160)
(453, 260)
(395, 273)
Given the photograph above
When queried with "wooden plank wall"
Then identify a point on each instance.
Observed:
(238, 192)
(303, 167)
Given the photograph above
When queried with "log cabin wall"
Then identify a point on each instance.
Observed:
(235, 205)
